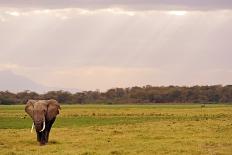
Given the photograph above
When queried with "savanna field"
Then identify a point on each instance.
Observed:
(122, 129)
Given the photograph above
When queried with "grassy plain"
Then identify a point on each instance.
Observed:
(123, 129)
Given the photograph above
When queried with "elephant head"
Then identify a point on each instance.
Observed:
(43, 114)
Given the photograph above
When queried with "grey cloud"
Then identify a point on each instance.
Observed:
(118, 41)
(128, 4)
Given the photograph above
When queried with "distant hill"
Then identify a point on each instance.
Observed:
(15, 83)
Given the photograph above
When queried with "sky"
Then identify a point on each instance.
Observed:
(103, 44)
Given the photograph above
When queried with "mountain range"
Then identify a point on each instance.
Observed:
(10, 81)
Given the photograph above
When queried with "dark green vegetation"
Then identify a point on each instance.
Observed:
(123, 129)
(146, 94)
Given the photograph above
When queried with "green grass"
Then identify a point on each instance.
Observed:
(123, 129)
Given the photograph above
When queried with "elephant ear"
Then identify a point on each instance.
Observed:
(53, 109)
(29, 107)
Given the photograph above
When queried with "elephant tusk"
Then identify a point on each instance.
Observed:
(32, 127)
(43, 127)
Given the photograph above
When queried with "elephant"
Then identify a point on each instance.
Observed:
(43, 114)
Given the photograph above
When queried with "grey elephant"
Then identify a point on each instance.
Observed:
(43, 114)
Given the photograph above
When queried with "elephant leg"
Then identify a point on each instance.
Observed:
(47, 134)
(48, 128)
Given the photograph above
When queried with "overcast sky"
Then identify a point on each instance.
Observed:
(102, 44)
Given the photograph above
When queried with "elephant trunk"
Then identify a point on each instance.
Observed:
(40, 125)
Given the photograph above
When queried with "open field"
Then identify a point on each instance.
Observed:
(123, 129)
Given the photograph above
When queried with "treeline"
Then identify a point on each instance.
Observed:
(146, 94)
